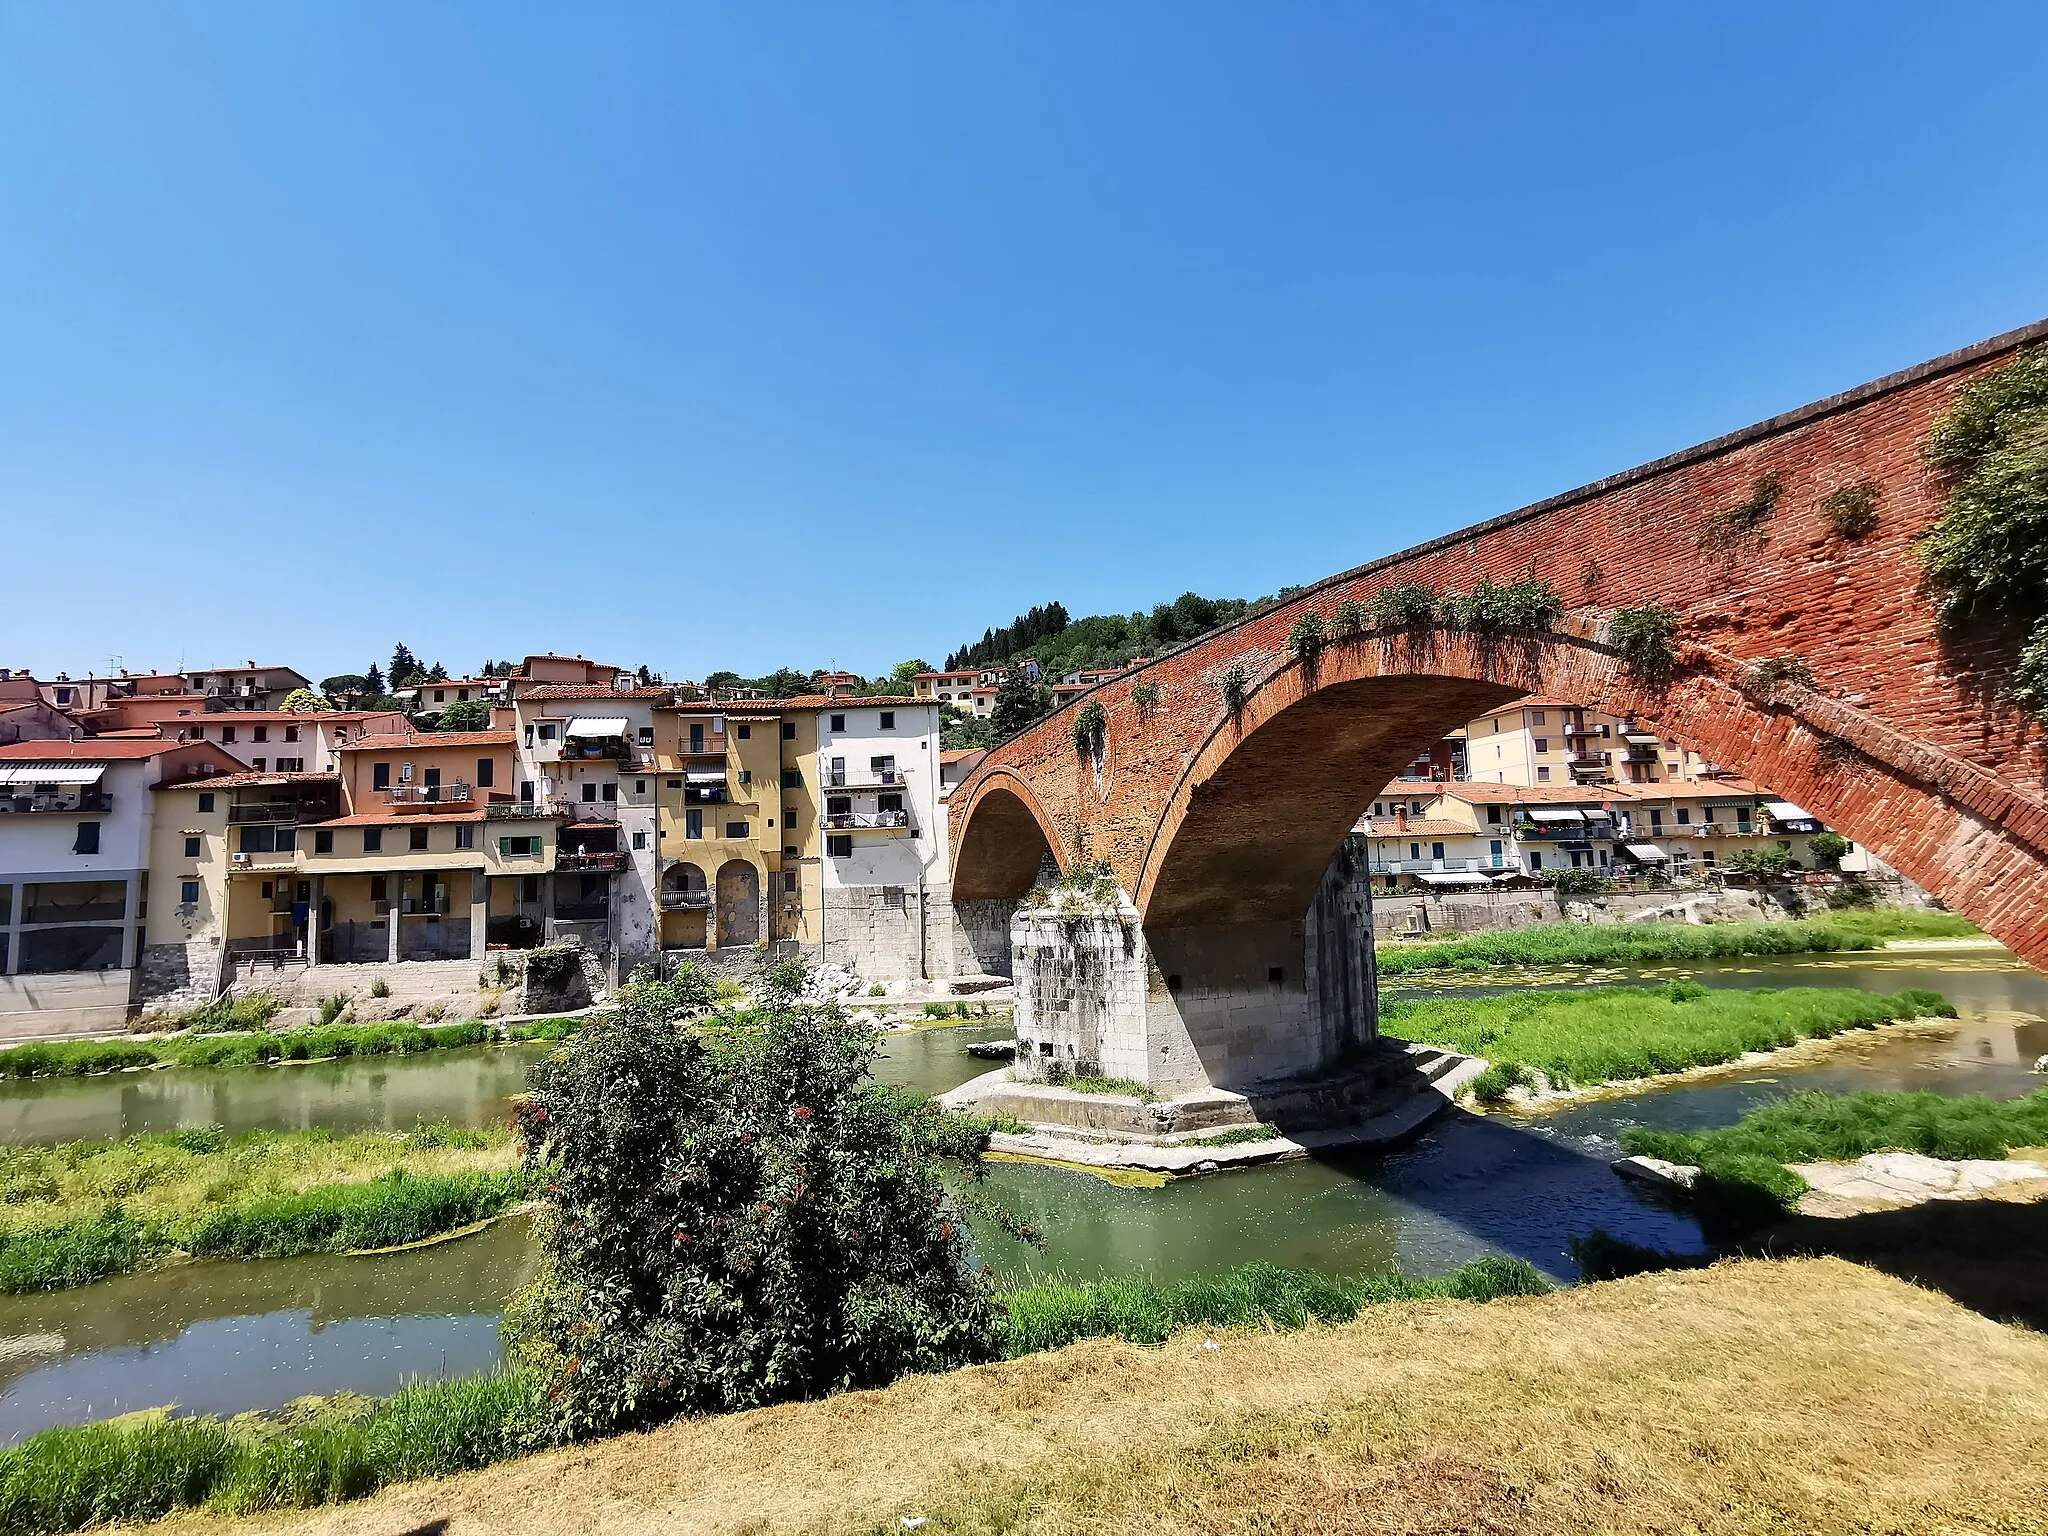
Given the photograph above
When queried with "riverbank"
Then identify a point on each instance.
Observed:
(1661, 1402)
(80, 1211)
(1657, 942)
(1545, 1043)
(256, 1048)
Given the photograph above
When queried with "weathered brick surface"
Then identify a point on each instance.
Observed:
(1209, 820)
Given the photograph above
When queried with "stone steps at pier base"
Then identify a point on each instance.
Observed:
(1384, 1094)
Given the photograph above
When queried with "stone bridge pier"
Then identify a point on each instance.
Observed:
(1179, 1009)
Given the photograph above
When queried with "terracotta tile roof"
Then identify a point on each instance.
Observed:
(590, 691)
(287, 716)
(93, 749)
(954, 757)
(884, 701)
(1419, 826)
(246, 780)
(1537, 794)
(134, 733)
(420, 741)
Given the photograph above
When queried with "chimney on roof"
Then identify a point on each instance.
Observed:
(1400, 818)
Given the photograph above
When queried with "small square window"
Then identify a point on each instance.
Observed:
(888, 719)
(792, 778)
(227, 733)
(465, 837)
(639, 839)
(417, 840)
(206, 805)
(839, 847)
(789, 880)
(191, 847)
(736, 830)
(188, 893)
(839, 722)
(323, 841)
(746, 732)
(88, 839)
(611, 790)
(260, 733)
(373, 839)
(789, 730)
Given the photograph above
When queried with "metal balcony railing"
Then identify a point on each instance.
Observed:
(591, 863)
(1484, 864)
(87, 802)
(455, 792)
(859, 820)
(271, 813)
(523, 810)
(685, 901)
(885, 778)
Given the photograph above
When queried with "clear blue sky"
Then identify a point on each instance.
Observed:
(832, 334)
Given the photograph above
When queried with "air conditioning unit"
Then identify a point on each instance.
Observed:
(239, 858)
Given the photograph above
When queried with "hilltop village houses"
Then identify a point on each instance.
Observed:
(163, 834)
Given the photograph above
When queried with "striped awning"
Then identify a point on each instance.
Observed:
(706, 775)
(51, 773)
(1545, 813)
(1648, 853)
(596, 725)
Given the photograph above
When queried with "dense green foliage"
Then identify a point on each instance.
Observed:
(1744, 1180)
(1306, 637)
(1058, 1312)
(1060, 645)
(1405, 605)
(1017, 702)
(223, 1015)
(1762, 863)
(1091, 731)
(1524, 607)
(1851, 510)
(1236, 687)
(1742, 523)
(400, 1037)
(465, 715)
(737, 1220)
(1576, 882)
(1828, 849)
(1613, 1034)
(1650, 943)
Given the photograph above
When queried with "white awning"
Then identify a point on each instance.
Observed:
(1548, 813)
(595, 725)
(1649, 853)
(1463, 879)
(51, 773)
(1641, 741)
(1785, 810)
(706, 776)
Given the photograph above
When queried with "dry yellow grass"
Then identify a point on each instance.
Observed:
(1805, 1395)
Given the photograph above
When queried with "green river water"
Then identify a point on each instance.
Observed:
(225, 1337)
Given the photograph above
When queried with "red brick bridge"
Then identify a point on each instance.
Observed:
(1220, 826)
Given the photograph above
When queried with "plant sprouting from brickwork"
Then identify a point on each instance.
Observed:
(1774, 672)
(1091, 731)
(1236, 687)
(1743, 522)
(1987, 557)
(1647, 639)
(1089, 887)
(1851, 510)
(1145, 696)
(1306, 638)
(1348, 621)
(1405, 605)
(1524, 607)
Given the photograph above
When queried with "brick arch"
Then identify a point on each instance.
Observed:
(1890, 745)
(1000, 839)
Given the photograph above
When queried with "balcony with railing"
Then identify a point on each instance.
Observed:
(541, 809)
(874, 778)
(80, 800)
(865, 821)
(1494, 864)
(1591, 828)
(273, 813)
(686, 901)
(597, 862)
(413, 797)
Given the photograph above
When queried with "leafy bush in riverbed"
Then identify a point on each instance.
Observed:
(395, 1208)
(1611, 1034)
(735, 1222)
(75, 1058)
(1818, 1127)
(1649, 943)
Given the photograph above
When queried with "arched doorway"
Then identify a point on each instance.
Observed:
(739, 904)
(685, 907)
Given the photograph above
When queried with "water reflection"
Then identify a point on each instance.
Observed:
(227, 1337)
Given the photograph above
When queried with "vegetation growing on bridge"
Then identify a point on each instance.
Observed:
(1091, 731)
(1742, 523)
(1652, 943)
(1405, 605)
(1527, 606)
(1987, 556)
(1616, 1034)
(1851, 510)
(1746, 1161)
(1647, 640)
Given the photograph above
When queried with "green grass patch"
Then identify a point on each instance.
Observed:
(75, 1213)
(1058, 1312)
(1610, 1034)
(253, 1046)
(1236, 1136)
(1651, 943)
(1095, 1082)
(145, 1467)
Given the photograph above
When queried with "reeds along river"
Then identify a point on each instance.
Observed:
(225, 1337)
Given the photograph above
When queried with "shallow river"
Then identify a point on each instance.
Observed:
(225, 1337)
